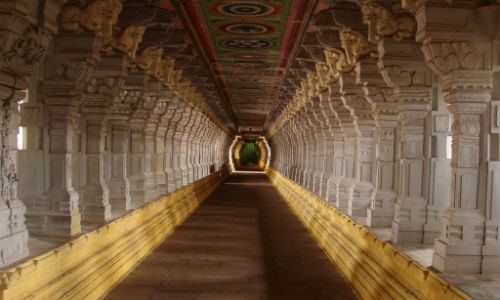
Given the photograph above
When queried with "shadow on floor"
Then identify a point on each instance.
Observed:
(249, 168)
(243, 242)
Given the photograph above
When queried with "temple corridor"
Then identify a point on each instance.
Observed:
(127, 126)
(243, 242)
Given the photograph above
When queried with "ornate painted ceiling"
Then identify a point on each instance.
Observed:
(248, 47)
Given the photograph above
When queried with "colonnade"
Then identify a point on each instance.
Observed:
(107, 123)
(400, 131)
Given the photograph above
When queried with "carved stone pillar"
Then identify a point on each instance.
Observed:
(102, 93)
(150, 102)
(439, 164)
(349, 156)
(25, 39)
(160, 163)
(182, 134)
(381, 210)
(310, 136)
(13, 235)
(319, 141)
(23, 44)
(410, 208)
(179, 145)
(469, 240)
(335, 105)
(461, 246)
(361, 189)
(58, 213)
(119, 185)
(138, 191)
(95, 205)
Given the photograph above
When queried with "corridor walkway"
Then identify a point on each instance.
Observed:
(243, 242)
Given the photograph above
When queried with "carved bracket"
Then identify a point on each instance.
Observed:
(99, 16)
(356, 45)
(381, 22)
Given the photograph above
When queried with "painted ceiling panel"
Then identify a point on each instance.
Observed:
(248, 46)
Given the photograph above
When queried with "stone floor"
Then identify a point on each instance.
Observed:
(478, 286)
(243, 242)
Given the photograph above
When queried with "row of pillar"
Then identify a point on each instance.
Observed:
(372, 138)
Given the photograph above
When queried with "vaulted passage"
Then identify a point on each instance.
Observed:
(243, 242)
(376, 121)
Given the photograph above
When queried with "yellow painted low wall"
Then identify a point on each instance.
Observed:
(91, 265)
(374, 268)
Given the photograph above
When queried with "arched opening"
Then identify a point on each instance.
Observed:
(249, 154)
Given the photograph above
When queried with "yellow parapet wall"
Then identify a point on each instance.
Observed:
(91, 265)
(374, 268)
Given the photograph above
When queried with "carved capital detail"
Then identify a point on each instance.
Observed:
(381, 22)
(99, 16)
(28, 47)
(356, 45)
(149, 60)
(444, 58)
(127, 41)
(336, 59)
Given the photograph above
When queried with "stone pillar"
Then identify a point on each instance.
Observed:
(438, 180)
(182, 135)
(381, 210)
(309, 133)
(461, 246)
(160, 144)
(58, 213)
(150, 103)
(411, 206)
(13, 233)
(138, 191)
(95, 206)
(23, 46)
(461, 56)
(349, 157)
(319, 140)
(361, 189)
(330, 122)
(119, 185)
(335, 105)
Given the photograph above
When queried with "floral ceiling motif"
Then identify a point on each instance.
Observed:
(248, 46)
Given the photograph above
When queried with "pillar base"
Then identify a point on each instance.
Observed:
(331, 191)
(380, 214)
(54, 224)
(461, 248)
(96, 213)
(151, 187)
(119, 197)
(409, 220)
(138, 192)
(13, 244)
(456, 259)
(359, 201)
(343, 187)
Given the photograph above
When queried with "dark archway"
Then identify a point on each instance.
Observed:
(249, 154)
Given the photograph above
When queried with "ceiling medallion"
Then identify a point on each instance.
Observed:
(247, 44)
(248, 79)
(246, 28)
(249, 74)
(245, 9)
(245, 65)
(247, 55)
